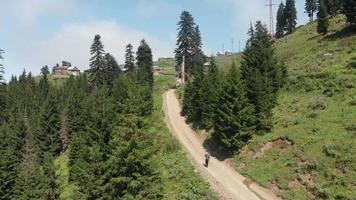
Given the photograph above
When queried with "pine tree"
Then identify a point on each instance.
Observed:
(2, 71)
(2, 90)
(310, 8)
(290, 13)
(349, 9)
(47, 136)
(262, 75)
(192, 103)
(11, 142)
(51, 188)
(112, 69)
(323, 20)
(234, 118)
(333, 6)
(45, 70)
(187, 109)
(129, 58)
(44, 84)
(281, 21)
(144, 63)
(209, 93)
(30, 183)
(188, 44)
(97, 62)
(128, 173)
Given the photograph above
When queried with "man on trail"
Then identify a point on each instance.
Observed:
(207, 157)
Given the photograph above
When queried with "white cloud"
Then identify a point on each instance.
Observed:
(72, 43)
(26, 12)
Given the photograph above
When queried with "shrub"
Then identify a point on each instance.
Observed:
(317, 104)
(351, 128)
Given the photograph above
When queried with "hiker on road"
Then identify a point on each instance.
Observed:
(207, 157)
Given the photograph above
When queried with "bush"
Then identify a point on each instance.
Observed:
(353, 102)
(351, 128)
(317, 104)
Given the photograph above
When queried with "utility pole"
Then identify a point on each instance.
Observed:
(271, 24)
(232, 45)
(183, 70)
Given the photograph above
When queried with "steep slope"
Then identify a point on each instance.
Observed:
(311, 151)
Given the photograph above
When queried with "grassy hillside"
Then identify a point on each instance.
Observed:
(311, 151)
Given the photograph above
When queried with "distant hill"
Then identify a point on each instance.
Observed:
(311, 151)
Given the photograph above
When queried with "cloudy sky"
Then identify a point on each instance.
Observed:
(34, 33)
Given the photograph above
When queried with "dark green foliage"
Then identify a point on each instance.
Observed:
(31, 182)
(97, 62)
(128, 173)
(310, 8)
(45, 70)
(44, 86)
(323, 19)
(144, 63)
(50, 190)
(2, 89)
(47, 137)
(1, 68)
(209, 93)
(281, 21)
(290, 13)
(129, 58)
(11, 150)
(192, 106)
(262, 74)
(234, 117)
(188, 44)
(349, 9)
(112, 69)
(332, 6)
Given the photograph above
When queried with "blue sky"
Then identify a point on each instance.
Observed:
(34, 33)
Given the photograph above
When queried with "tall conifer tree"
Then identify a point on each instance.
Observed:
(97, 62)
(310, 8)
(209, 93)
(323, 20)
(234, 118)
(145, 63)
(290, 13)
(129, 58)
(47, 136)
(188, 44)
(281, 21)
(261, 74)
(2, 90)
(349, 9)
(112, 69)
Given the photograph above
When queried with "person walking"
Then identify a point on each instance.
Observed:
(207, 157)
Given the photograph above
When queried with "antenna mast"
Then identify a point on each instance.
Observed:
(271, 24)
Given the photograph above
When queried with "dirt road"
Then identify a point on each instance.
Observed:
(224, 180)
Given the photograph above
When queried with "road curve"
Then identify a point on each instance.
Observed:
(224, 180)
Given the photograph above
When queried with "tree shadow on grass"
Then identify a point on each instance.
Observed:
(345, 32)
(212, 146)
(352, 64)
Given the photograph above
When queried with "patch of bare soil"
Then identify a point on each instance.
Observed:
(297, 184)
(303, 162)
(275, 188)
(307, 180)
(282, 144)
(294, 184)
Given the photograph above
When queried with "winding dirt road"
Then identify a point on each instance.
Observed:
(224, 180)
